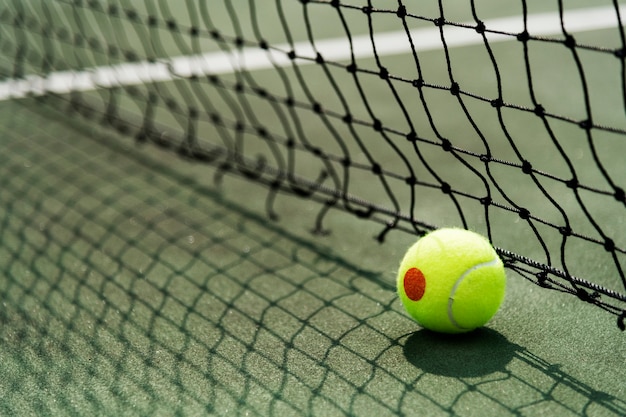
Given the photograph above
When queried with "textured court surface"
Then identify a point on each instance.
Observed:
(130, 285)
(137, 282)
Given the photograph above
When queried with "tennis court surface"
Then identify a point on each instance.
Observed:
(203, 208)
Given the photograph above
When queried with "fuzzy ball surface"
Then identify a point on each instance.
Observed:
(451, 281)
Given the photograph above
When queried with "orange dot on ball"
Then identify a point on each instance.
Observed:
(414, 284)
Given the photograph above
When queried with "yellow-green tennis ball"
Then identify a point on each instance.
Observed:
(451, 281)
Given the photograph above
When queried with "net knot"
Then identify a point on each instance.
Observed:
(455, 89)
(497, 103)
(573, 183)
(542, 279)
(524, 213)
(585, 124)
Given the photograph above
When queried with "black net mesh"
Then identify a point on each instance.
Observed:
(368, 108)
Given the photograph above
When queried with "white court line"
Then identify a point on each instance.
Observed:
(388, 43)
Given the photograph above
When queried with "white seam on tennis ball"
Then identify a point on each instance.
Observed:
(456, 285)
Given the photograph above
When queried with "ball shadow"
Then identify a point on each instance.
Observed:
(481, 352)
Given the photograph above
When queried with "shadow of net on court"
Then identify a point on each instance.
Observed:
(128, 289)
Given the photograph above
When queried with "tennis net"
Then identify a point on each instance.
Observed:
(411, 116)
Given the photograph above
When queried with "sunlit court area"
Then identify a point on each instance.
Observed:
(204, 207)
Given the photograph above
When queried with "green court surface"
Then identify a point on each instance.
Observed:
(134, 281)
(130, 287)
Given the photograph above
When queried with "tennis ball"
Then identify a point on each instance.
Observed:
(451, 281)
